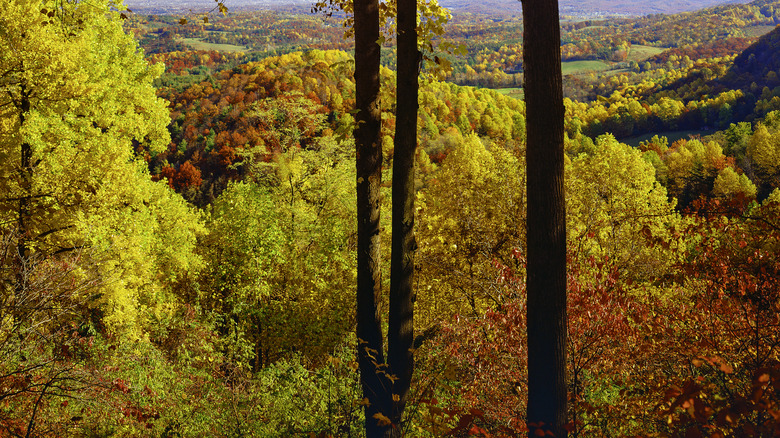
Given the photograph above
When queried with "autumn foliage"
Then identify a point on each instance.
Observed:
(177, 248)
(699, 359)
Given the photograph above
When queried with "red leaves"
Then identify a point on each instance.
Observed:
(694, 409)
(140, 414)
(713, 329)
(715, 362)
(121, 385)
(186, 176)
(732, 327)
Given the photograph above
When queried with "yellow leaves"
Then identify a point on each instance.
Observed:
(382, 420)
(222, 8)
(612, 195)
(729, 183)
(473, 215)
(90, 98)
(668, 109)
(461, 50)
(763, 149)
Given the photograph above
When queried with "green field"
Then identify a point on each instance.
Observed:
(640, 53)
(154, 25)
(517, 93)
(672, 136)
(197, 44)
(757, 31)
(578, 67)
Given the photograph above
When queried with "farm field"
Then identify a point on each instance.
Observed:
(198, 44)
(516, 92)
(640, 52)
(672, 136)
(580, 67)
(757, 31)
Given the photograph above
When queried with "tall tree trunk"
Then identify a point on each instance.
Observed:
(546, 232)
(25, 197)
(369, 178)
(401, 320)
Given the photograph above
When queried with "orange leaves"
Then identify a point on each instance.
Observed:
(715, 362)
(698, 408)
(185, 177)
(382, 420)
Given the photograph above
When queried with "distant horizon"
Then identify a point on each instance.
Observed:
(582, 8)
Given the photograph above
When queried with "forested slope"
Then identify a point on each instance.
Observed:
(128, 311)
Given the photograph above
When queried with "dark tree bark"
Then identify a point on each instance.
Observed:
(401, 320)
(369, 178)
(26, 171)
(546, 232)
(386, 396)
(24, 209)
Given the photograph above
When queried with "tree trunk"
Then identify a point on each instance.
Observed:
(369, 178)
(25, 196)
(401, 321)
(546, 232)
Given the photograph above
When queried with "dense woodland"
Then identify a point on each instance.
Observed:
(177, 225)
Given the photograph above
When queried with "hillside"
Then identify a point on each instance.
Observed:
(757, 64)
(593, 8)
(589, 8)
(179, 225)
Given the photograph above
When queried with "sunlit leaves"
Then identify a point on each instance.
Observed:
(729, 184)
(471, 216)
(612, 194)
(77, 99)
(266, 250)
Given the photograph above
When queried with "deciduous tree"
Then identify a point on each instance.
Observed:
(75, 100)
(546, 223)
(368, 146)
(400, 334)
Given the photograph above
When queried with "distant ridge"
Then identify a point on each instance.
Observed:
(578, 8)
(589, 8)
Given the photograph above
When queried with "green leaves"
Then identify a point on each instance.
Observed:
(280, 265)
(77, 99)
(611, 195)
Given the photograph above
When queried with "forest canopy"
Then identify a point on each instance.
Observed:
(178, 224)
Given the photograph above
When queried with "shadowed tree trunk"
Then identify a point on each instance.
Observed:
(24, 212)
(401, 319)
(369, 178)
(546, 232)
(386, 397)
(26, 171)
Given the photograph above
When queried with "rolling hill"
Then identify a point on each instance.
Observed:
(578, 8)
